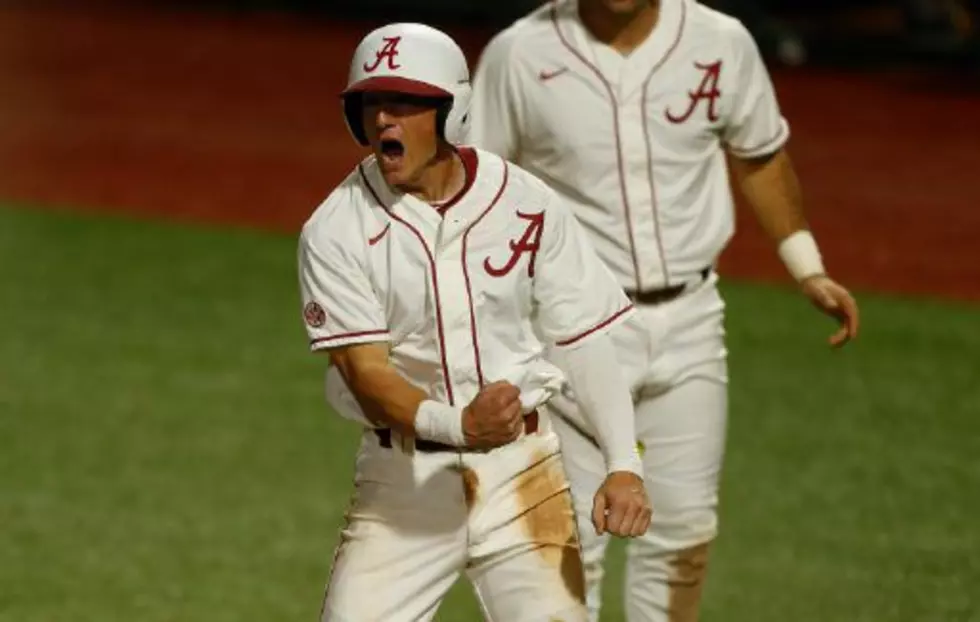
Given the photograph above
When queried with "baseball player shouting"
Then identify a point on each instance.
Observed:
(628, 108)
(435, 276)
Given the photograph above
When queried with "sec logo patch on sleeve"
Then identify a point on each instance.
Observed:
(314, 314)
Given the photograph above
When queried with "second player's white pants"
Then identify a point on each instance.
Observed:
(675, 358)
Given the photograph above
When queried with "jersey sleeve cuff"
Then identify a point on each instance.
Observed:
(632, 464)
(345, 339)
(599, 328)
(768, 147)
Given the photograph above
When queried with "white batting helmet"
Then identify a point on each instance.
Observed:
(413, 59)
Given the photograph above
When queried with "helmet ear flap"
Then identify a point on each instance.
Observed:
(457, 121)
(442, 115)
(354, 117)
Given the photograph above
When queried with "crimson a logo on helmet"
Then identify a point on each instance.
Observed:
(314, 314)
(387, 52)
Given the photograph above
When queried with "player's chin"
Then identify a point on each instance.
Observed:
(395, 174)
(624, 7)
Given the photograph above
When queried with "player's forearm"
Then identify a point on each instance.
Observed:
(342, 400)
(603, 394)
(385, 398)
(772, 190)
(389, 400)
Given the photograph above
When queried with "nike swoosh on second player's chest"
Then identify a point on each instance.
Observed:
(544, 75)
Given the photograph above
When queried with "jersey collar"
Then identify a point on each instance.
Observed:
(640, 66)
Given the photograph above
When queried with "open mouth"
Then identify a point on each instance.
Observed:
(392, 149)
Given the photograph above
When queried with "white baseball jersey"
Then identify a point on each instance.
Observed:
(632, 141)
(466, 297)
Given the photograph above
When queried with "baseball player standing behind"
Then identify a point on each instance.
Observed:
(428, 276)
(627, 108)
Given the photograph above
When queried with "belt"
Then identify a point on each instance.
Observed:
(664, 294)
(384, 436)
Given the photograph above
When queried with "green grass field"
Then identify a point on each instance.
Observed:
(165, 455)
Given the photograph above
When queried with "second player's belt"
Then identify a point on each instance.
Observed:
(664, 294)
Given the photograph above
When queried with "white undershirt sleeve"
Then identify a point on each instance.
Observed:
(603, 394)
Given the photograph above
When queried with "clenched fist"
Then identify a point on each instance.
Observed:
(494, 417)
(621, 506)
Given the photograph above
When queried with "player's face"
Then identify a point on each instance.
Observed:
(402, 133)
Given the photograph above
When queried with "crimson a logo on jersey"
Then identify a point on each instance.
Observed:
(707, 90)
(529, 242)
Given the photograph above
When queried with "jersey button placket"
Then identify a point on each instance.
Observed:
(638, 184)
(626, 144)
(456, 317)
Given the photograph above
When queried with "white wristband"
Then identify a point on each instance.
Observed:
(801, 256)
(633, 464)
(441, 423)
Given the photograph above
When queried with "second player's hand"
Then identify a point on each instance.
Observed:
(834, 300)
(621, 506)
(494, 417)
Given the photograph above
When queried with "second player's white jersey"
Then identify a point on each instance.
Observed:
(464, 298)
(632, 142)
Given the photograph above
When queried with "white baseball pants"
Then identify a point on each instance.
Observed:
(675, 358)
(417, 520)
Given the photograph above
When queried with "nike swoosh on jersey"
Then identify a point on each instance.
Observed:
(546, 75)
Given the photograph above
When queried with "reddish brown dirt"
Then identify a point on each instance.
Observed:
(223, 118)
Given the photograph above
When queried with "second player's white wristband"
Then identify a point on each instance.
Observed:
(435, 421)
(801, 256)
